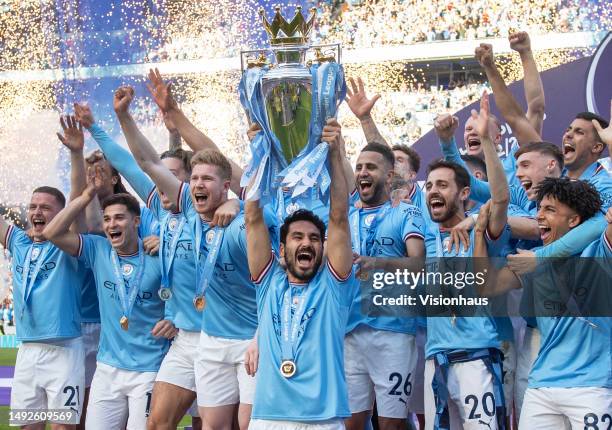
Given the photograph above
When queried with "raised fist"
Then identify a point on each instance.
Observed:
(484, 55)
(122, 99)
(445, 126)
(520, 42)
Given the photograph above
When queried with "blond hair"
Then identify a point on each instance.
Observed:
(214, 158)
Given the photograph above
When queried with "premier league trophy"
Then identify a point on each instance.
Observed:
(291, 99)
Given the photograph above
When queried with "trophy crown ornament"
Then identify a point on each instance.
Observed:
(282, 32)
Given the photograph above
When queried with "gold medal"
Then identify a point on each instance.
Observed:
(364, 276)
(199, 302)
(288, 368)
(124, 323)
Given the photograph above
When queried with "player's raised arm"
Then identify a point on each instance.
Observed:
(532, 83)
(74, 139)
(497, 281)
(339, 250)
(119, 157)
(174, 137)
(361, 106)
(195, 139)
(500, 191)
(259, 247)
(141, 148)
(605, 134)
(505, 101)
(58, 230)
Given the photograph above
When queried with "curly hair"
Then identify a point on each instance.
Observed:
(579, 195)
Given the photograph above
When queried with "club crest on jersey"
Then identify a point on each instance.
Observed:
(368, 219)
(172, 224)
(127, 269)
(445, 243)
(210, 236)
(292, 208)
(35, 253)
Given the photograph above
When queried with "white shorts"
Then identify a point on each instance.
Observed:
(552, 408)
(178, 367)
(119, 397)
(509, 373)
(524, 362)
(49, 376)
(91, 339)
(379, 365)
(416, 403)
(291, 425)
(471, 398)
(221, 377)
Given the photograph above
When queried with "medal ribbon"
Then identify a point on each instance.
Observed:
(291, 326)
(165, 268)
(28, 278)
(267, 157)
(205, 274)
(127, 302)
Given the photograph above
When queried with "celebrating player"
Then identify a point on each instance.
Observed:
(303, 310)
(127, 281)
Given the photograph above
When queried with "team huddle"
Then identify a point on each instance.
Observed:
(250, 316)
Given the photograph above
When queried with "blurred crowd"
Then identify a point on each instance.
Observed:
(369, 23)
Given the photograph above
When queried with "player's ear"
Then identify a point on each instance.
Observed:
(281, 250)
(464, 194)
(137, 221)
(574, 220)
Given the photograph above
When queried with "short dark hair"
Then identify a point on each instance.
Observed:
(579, 195)
(59, 196)
(545, 148)
(475, 161)
(415, 158)
(462, 177)
(180, 154)
(128, 200)
(590, 116)
(301, 215)
(383, 150)
(118, 188)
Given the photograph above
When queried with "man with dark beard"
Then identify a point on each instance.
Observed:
(463, 368)
(303, 310)
(380, 351)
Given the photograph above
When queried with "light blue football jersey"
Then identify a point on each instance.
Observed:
(575, 352)
(318, 390)
(462, 333)
(231, 308)
(182, 274)
(53, 310)
(136, 348)
(599, 177)
(393, 226)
